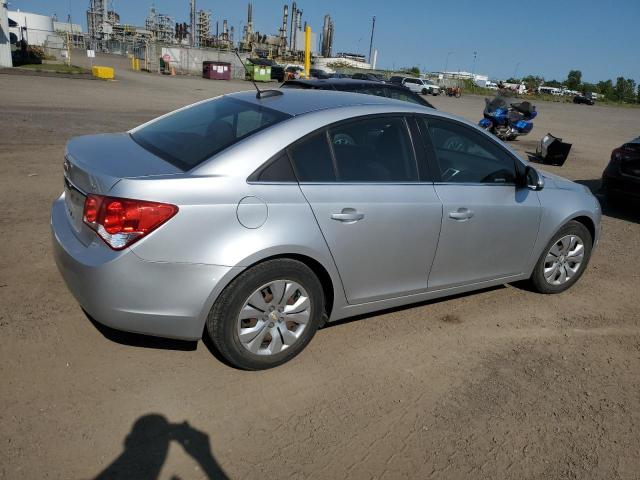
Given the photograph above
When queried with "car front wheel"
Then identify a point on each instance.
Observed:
(563, 260)
(267, 315)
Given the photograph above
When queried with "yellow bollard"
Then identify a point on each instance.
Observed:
(307, 50)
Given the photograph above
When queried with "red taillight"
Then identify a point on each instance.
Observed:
(122, 221)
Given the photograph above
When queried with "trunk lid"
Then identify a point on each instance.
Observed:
(95, 163)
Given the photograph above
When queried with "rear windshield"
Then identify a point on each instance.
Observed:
(190, 136)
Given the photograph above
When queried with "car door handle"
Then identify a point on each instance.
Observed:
(348, 215)
(461, 214)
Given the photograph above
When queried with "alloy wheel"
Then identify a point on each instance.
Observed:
(564, 259)
(274, 317)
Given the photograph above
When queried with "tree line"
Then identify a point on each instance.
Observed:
(623, 90)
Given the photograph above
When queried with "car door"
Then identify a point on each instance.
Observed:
(490, 223)
(380, 221)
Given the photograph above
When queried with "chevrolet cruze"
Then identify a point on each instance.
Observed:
(261, 217)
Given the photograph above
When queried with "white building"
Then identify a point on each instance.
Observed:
(323, 63)
(5, 46)
(479, 80)
(67, 27)
(32, 27)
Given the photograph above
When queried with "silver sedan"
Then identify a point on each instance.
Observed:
(260, 218)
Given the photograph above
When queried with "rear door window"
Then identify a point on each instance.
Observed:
(374, 149)
(190, 136)
(312, 159)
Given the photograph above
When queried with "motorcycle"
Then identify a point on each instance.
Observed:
(453, 92)
(507, 121)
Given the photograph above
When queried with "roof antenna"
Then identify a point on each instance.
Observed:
(260, 93)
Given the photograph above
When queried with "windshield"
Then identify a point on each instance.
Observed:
(192, 135)
(498, 101)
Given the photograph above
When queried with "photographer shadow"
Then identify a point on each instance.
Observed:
(147, 445)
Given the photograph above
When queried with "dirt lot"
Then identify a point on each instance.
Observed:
(503, 383)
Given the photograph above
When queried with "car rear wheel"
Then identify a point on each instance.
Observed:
(425, 91)
(564, 259)
(267, 315)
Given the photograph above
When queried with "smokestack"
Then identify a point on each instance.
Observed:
(283, 29)
(292, 32)
(192, 39)
(373, 27)
(327, 36)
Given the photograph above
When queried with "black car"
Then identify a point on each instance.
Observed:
(368, 76)
(318, 73)
(369, 87)
(621, 178)
(583, 99)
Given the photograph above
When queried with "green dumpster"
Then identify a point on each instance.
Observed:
(259, 73)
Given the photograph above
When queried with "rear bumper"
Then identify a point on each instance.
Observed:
(122, 291)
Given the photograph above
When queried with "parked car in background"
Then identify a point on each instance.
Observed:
(418, 85)
(374, 77)
(262, 217)
(435, 89)
(293, 71)
(621, 178)
(318, 73)
(584, 99)
(389, 90)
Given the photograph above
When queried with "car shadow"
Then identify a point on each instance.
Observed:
(140, 340)
(401, 308)
(147, 445)
(628, 209)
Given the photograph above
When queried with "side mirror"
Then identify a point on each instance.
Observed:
(533, 180)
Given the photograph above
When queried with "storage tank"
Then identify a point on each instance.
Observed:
(39, 27)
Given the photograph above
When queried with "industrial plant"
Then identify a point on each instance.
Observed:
(185, 43)
(105, 32)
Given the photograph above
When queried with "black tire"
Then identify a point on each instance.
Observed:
(221, 322)
(424, 91)
(537, 280)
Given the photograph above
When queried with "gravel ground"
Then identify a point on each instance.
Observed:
(502, 383)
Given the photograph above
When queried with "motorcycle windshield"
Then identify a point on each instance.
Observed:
(492, 104)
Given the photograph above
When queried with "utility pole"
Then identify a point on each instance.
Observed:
(373, 27)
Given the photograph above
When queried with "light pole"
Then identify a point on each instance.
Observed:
(446, 64)
(515, 71)
(473, 70)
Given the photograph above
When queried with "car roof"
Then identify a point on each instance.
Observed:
(320, 82)
(342, 83)
(300, 101)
